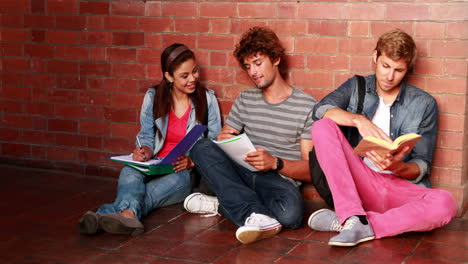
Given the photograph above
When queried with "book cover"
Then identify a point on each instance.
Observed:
(383, 147)
(236, 148)
(157, 166)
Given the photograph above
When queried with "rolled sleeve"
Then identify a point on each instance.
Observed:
(423, 169)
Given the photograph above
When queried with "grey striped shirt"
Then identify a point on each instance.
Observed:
(278, 128)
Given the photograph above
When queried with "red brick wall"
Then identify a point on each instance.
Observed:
(73, 72)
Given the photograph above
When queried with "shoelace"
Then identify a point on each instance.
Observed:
(335, 226)
(254, 219)
(350, 223)
(209, 207)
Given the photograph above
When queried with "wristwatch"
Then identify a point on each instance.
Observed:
(279, 164)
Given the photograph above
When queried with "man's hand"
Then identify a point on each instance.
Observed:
(183, 163)
(261, 159)
(392, 162)
(142, 154)
(367, 128)
(226, 133)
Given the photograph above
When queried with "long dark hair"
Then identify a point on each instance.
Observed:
(163, 98)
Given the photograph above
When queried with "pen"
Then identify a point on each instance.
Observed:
(138, 141)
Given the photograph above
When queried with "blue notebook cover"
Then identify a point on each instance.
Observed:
(184, 145)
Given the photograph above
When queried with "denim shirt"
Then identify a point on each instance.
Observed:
(414, 111)
(148, 136)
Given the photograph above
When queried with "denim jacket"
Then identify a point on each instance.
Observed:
(147, 134)
(414, 111)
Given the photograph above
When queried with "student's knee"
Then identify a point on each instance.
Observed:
(291, 218)
(444, 206)
(322, 126)
(128, 175)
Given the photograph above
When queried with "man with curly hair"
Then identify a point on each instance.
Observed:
(277, 119)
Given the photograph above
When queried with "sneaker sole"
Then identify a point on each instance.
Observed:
(113, 226)
(350, 244)
(248, 235)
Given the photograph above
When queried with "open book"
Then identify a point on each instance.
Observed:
(236, 148)
(383, 147)
(158, 166)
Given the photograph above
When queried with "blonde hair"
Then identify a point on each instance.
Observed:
(396, 44)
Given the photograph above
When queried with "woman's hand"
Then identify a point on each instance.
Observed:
(142, 154)
(183, 163)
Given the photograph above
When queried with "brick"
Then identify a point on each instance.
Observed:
(71, 52)
(94, 142)
(94, 8)
(13, 92)
(149, 55)
(153, 40)
(320, 79)
(407, 12)
(220, 10)
(121, 23)
(62, 37)
(153, 9)
(451, 49)
(448, 11)
(256, 10)
(17, 121)
(41, 109)
(38, 36)
(225, 106)
(121, 115)
(92, 157)
(15, 64)
(61, 96)
(12, 78)
(128, 39)
(126, 100)
(320, 11)
(296, 61)
(127, 70)
(446, 85)
(143, 85)
(429, 66)
(15, 6)
(358, 28)
(284, 26)
(456, 67)
(457, 30)
(185, 9)
(188, 40)
(39, 123)
(197, 25)
(123, 130)
(356, 46)
(327, 63)
(447, 158)
(417, 81)
(41, 80)
(70, 111)
(121, 54)
(9, 134)
(155, 24)
(450, 140)
(10, 106)
(71, 82)
(39, 21)
(96, 38)
(39, 65)
(70, 22)
(216, 42)
(327, 28)
(11, 20)
(95, 22)
(220, 26)
(94, 128)
(216, 58)
(11, 49)
(287, 10)
(38, 6)
(95, 68)
(317, 93)
(95, 83)
(62, 125)
(18, 150)
(61, 66)
(430, 30)
(121, 85)
(42, 51)
(16, 34)
(379, 28)
(363, 11)
(220, 75)
(97, 53)
(454, 104)
(62, 154)
(38, 137)
(316, 45)
(446, 176)
(423, 47)
(239, 26)
(118, 145)
(360, 64)
(129, 8)
(70, 140)
(94, 98)
(62, 7)
(153, 72)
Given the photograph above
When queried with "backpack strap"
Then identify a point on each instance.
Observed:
(361, 85)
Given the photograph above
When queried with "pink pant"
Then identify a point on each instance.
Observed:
(392, 205)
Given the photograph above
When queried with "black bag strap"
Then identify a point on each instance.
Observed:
(361, 85)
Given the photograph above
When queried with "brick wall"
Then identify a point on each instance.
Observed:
(73, 72)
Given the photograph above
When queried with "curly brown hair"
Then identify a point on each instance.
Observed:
(264, 41)
(396, 44)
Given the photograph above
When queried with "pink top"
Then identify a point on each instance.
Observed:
(176, 130)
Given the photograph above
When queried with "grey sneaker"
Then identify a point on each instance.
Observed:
(121, 225)
(199, 203)
(257, 227)
(353, 233)
(325, 220)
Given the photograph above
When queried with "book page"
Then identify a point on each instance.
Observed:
(128, 159)
(236, 148)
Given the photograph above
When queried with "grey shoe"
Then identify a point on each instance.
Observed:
(353, 233)
(118, 224)
(89, 223)
(324, 220)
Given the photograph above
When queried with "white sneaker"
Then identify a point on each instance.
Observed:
(199, 203)
(257, 227)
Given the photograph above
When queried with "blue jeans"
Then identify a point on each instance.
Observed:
(141, 198)
(241, 192)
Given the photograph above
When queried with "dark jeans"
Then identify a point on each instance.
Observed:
(241, 192)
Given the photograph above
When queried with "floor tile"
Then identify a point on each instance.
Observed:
(454, 237)
(198, 252)
(319, 251)
(422, 260)
(218, 237)
(363, 255)
(146, 246)
(246, 256)
(398, 245)
(442, 251)
(275, 244)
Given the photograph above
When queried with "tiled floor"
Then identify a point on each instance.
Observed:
(39, 211)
